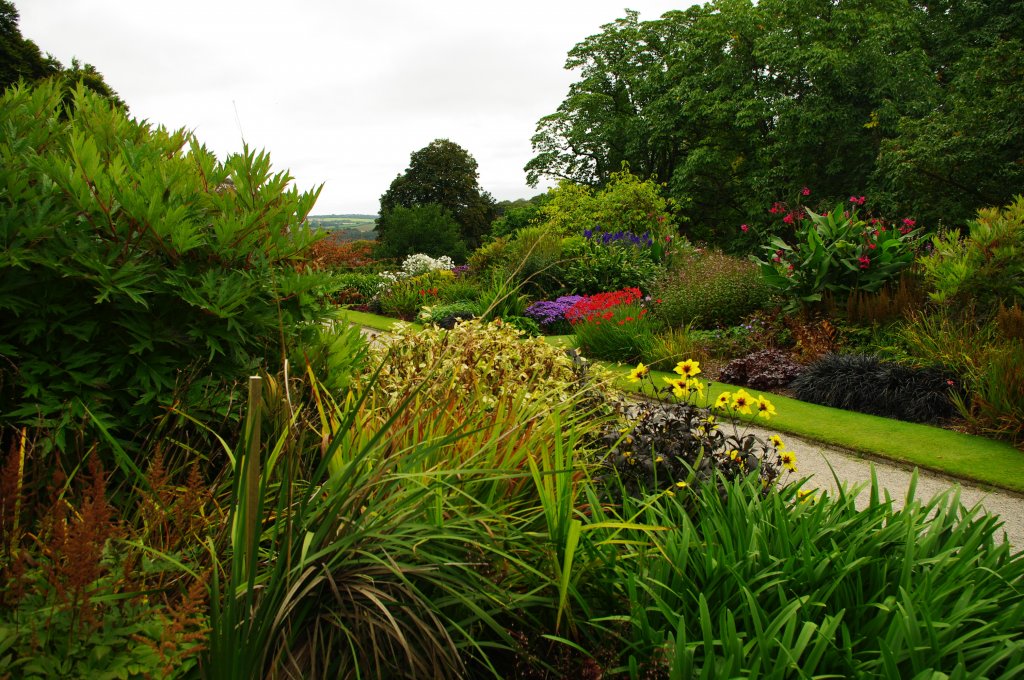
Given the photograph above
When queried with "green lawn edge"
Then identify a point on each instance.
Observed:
(968, 457)
(374, 321)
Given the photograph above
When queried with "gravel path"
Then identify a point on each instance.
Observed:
(813, 460)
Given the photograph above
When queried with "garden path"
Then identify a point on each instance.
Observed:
(813, 460)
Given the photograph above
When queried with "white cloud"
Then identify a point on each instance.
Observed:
(339, 92)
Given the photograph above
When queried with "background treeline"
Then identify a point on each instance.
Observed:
(734, 105)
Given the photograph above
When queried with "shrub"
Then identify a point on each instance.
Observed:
(984, 267)
(500, 298)
(710, 289)
(426, 229)
(447, 315)
(138, 270)
(995, 405)
(592, 267)
(535, 260)
(358, 285)
(489, 258)
(864, 383)
(766, 369)
(673, 446)
(838, 252)
(418, 264)
(329, 253)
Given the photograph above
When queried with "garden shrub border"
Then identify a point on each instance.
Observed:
(962, 456)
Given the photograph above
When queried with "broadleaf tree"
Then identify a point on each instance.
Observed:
(443, 174)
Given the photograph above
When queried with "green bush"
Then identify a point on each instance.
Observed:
(593, 267)
(425, 229)
(365, 285)
(534, 257)
(489, 258)
(995, 405)
(137, 271)
(982, 268)
(710, 289)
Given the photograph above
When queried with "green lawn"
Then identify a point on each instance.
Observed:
(984, 461)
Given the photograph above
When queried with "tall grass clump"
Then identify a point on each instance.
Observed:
(864, 383)
(789, 584)
(710, 289)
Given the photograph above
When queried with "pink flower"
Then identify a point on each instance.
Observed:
(909, 222)
(744, 228)
(871, 246)
(865, 261)
(858, 200)
(805, 191)
(788, 219)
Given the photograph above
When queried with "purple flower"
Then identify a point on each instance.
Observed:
(548, 312)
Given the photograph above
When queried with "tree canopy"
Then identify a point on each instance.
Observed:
(444, 174)
(735, 105)
(21, 59)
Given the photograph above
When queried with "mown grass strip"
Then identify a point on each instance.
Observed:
(984, 461)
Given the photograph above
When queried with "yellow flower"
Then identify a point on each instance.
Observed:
(765, 408)
(681, 485)
(804, 495)
(688, 368)
(679, 387)
(669, 493)
(658, 459)
(639, 372)
(723, 400)
(733, 454)
(696, 385)
(776, 441)
(788, 460)
(741, 401)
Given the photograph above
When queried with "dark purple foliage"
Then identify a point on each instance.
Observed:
(764, 370)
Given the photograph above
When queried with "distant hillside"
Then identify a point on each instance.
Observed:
(345, 227)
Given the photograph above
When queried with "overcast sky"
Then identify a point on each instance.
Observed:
(339, 92)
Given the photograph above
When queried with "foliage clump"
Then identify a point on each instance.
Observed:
(765, 369)
(138, 271)
(710, 289)
(982, 268)
(488, 359)
(865, 383)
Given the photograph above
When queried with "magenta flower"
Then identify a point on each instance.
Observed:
(744, 228)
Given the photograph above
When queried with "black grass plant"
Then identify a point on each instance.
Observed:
(865, 383)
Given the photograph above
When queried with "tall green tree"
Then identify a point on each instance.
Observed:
(444, 174)
(22, 60)
(735, 105)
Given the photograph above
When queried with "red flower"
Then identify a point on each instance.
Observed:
(788, 219)
(909, 222)
(805, 191)
(865, 261)
(744, 228)
(871, 246)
